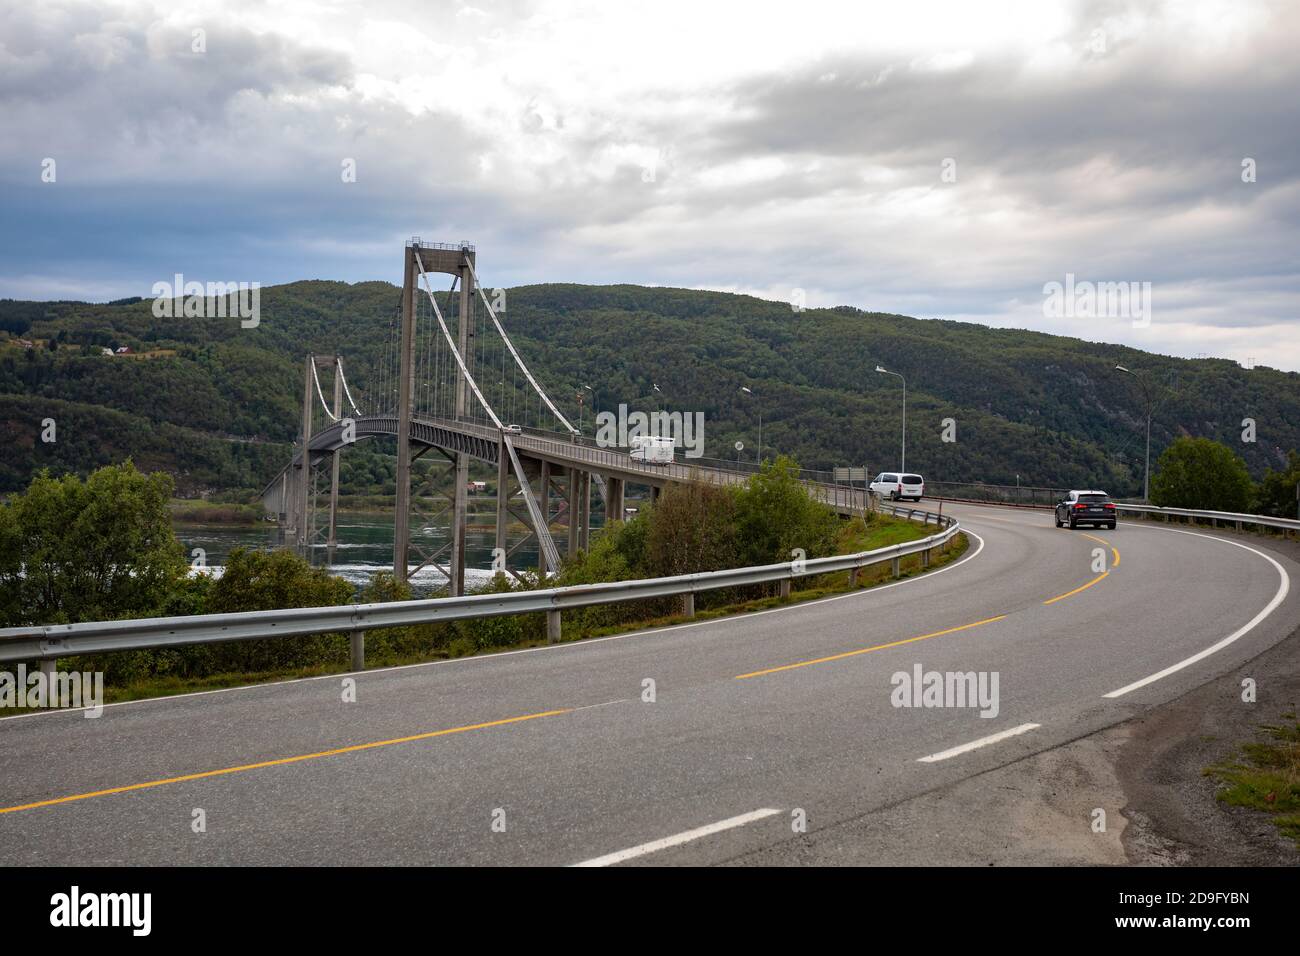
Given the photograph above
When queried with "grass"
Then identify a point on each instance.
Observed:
(854, 537)
(1268, 778)
(197, 511)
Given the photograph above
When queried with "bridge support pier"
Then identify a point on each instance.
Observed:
(574, 511)
(545, 503)
(304, 475)
(584, 504)
(614, 505)
(503, 498)
(332, 540)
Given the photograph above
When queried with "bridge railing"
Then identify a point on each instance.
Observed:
(1215, 518)
(49, 642)
(1017, 496)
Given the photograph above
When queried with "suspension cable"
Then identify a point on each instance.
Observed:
(452, 346)
(319, 393)
(510, 345)
(344, 379)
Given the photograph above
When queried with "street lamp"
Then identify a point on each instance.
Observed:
(759, 451)
(902, 464)
(1146, 480)
(581, 404)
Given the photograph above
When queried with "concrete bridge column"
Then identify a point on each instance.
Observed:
(405, 389)
(584, 501)
(456, 586)
(304, 503)
(544, 503)
(503, 495)
(575, 516)
(614, 503)
(334, 463)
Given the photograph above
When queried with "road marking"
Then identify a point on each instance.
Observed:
(1082, 587)
(655, 846)
(976, 744)
(1283, 587)
(283, 760)
(868, 650)
(569, 646)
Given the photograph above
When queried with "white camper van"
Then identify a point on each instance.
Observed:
(652, 449)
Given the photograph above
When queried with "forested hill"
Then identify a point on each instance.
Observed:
(1049, 409)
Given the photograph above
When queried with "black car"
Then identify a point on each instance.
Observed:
(1086, 507)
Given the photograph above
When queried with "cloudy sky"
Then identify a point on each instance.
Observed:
(936, 159)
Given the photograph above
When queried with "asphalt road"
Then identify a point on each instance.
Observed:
(552, 756)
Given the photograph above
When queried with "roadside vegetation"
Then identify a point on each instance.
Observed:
(1208, 475)
(68, 532)
(1268, 777)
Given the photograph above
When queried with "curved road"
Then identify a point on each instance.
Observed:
(552, 756)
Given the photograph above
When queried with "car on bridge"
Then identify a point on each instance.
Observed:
(1086, 507)
(897, 485)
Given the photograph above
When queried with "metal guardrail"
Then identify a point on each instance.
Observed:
(48, 642)
(1214, 517)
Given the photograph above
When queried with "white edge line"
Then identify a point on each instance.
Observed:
(976, 744)
(570, 645)
(1283, 588)
(656, 845)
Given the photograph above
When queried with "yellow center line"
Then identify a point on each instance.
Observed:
(284, 760)
(1082, 587)
(868, 650)
(1114, 552)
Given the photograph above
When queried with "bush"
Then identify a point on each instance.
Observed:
(84, 551)
(1277, 492)
(1201, 473)
(775, 514)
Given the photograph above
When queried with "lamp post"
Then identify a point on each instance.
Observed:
(759, 452)
(1146, 479)
(902, 464)
(581, 402)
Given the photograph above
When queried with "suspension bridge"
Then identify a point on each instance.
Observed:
(451, 384)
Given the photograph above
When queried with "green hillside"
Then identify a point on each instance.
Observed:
(217, 405)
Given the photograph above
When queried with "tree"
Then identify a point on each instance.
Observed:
(775, 515)
(692, 529)
(82, 551)
(266, 580)
(1201, 473)
(1277, 492)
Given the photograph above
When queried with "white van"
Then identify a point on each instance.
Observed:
(652, 449)
(897, 485)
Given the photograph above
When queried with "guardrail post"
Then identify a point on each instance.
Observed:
(357, 639)
(688, 604)
(47, 668)
(896, 567)
(553, 627)
(925, 558)
(853, 578)
(785, 589)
